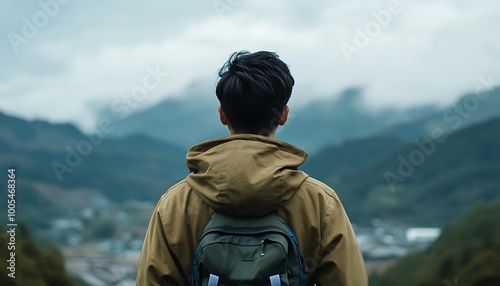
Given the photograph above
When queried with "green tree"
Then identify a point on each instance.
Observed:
(33, 266)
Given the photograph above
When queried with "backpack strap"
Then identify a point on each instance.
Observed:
(275, 280)
(213, 280)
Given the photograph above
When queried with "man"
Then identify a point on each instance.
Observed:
(251, 174)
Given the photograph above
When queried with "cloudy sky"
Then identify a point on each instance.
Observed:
(62, 60)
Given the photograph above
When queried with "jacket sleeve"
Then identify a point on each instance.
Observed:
(341, 262)
(158, 264)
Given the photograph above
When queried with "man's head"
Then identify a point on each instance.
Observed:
(253, 91)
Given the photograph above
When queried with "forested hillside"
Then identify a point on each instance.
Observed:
(467, 253)
(54, 161)
(433, 181)
(427, 182)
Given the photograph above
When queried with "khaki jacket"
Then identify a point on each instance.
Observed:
(250, 176)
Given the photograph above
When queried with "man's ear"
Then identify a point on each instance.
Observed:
(284, 116)
(222, 116)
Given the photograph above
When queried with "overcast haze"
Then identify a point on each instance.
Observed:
(89, 53)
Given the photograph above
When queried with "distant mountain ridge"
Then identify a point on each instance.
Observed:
(350, 155)
(190, 118)
(187, 120)
(38, 134)
(469, 109)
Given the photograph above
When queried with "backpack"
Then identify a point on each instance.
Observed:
(246, 252)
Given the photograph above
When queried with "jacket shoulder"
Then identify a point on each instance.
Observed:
(174, 197)
(314, 185)
(316, 193)
(175, 189)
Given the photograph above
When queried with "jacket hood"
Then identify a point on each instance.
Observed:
(245, 175)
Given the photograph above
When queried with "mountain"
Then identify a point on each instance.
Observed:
(469, 109)
(36, 135)
(183, 120)
(190, 118)
(432, 181)
(328, 121)
(58, 167)
(350, 155)
(467, 253)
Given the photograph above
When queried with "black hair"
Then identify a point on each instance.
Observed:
(253, 90)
